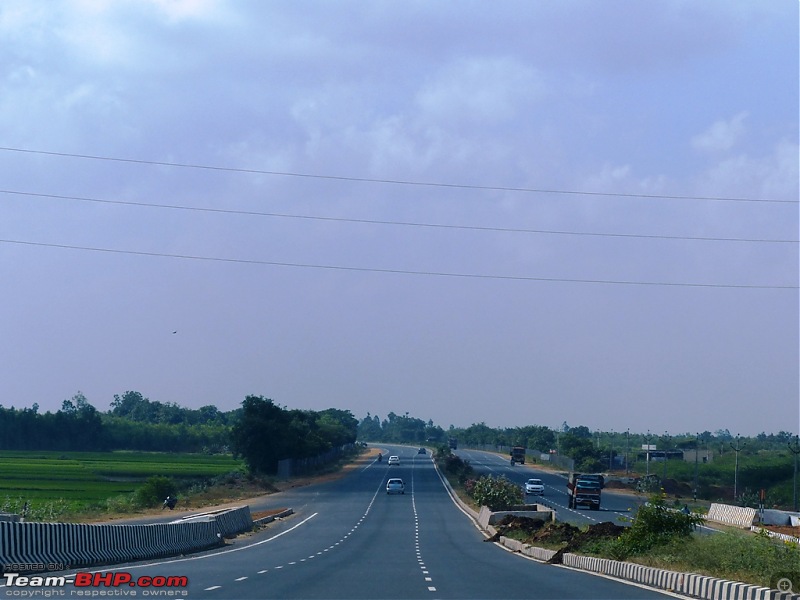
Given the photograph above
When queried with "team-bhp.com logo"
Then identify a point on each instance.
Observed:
(95, 584)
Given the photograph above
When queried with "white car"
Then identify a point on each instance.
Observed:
(395, 486)
(534, 486)
(394, 460)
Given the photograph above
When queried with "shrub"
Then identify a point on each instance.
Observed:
(497, 493)
(154, 491)
(456, 467)
(654, 525)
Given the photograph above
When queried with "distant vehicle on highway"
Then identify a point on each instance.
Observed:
(421, 451)
(535, 487)
(584, 491)
(517, 455)
(394, 460)
(395, 486)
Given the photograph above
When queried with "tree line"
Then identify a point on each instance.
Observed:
(260, 432)
(133, 423)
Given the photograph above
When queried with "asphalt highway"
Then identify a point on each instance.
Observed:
(616, 507)
(349, 539)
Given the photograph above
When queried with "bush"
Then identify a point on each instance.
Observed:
(497, 493)
(654, 525)
(154, 491)
(456, 467)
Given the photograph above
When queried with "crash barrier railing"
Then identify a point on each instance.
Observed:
(229, 521)
(774, 534)
(51, 545)
(687, 584)
(738, 516)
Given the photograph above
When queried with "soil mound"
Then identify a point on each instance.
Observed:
(606, 530)
(527, 525)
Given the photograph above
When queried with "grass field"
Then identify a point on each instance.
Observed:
(79, 480)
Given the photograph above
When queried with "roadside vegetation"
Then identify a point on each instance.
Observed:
(79, 463)
(498, 493)
(658, 536)
(766, 461)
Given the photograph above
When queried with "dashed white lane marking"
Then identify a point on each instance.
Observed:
(213, 587)
(348, 534)
(421, 562)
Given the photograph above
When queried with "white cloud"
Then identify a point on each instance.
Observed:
(485, 89)
(722, 135)
(773, 176)
(178, 10)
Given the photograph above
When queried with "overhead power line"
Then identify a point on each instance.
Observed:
(390, 181)
(398, 223)
(401, 271)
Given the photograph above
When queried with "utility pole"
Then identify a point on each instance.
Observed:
(795, 449)
(737, 448)
(696, 452)
(666, 439)
(627, 448)
(611, 450)
(647, 452)
(558, 445)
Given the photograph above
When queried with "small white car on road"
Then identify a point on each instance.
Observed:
(395, 486)
(535, 487)
(394, 460)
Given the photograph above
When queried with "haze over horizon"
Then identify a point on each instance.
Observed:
(517, 214)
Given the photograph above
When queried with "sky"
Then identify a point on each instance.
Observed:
(515, 213)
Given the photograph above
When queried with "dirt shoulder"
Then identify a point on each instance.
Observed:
(234, 494)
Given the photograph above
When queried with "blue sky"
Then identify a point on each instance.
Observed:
(513, 213)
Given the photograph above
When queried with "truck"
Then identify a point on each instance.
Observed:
(584, 490)
(453, 443)
(517, 455)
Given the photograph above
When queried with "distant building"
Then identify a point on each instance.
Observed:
(703, 456)
(654, 455)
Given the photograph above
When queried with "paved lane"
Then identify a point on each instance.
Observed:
(349, 539)
(613, 504)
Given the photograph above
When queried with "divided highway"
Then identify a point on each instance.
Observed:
(613, 504)
(349, 539)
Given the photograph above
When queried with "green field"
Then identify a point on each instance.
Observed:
(91, 478)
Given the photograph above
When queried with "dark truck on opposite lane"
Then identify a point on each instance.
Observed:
(517, 455)
(584, 490)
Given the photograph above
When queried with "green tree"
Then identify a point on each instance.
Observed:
(369, 430)
(582, 450)
(261, 435)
